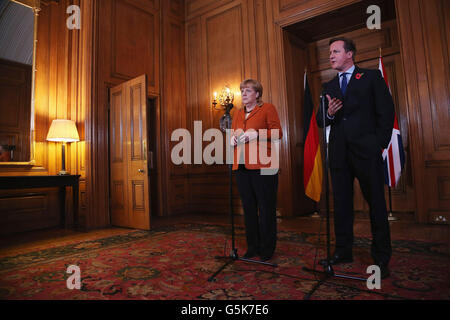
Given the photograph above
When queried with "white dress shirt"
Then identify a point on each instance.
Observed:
(349, 74)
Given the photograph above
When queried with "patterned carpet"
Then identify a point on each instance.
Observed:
(175, 262)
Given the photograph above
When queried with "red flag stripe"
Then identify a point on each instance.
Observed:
(311, 147)
(391, 166)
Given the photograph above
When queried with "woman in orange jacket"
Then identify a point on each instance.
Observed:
(256, 129)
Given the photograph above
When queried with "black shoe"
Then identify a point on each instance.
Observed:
(384, 270)
(250, 254)
(337, 258)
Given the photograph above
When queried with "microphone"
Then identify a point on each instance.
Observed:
(322, 105)
(323, 92)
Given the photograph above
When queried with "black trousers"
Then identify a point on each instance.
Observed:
(370, 174)
(259, 192)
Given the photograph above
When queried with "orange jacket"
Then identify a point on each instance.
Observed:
(261, 117)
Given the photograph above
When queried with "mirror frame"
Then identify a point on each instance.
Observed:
(35, 5)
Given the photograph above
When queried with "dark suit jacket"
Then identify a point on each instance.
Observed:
(364, 124)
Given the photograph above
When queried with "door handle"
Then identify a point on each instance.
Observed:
(141, 170)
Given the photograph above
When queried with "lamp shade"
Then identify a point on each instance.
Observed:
(63, 130)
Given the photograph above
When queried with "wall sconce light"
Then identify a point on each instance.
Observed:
(225, 98)
(64, 131)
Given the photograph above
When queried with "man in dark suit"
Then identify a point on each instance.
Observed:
(360, 110)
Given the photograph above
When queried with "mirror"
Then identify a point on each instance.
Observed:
(18, 30)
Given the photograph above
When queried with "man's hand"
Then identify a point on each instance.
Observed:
(334, 105)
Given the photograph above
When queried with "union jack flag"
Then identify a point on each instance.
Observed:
(393, 155)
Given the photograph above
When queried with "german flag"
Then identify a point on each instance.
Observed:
(312, 164)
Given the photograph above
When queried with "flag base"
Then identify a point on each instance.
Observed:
(315, 215)
(391, 217)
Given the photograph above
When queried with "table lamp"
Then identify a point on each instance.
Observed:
(64, 131)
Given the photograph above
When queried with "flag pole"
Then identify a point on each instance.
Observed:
(391, 217)
(316, 211)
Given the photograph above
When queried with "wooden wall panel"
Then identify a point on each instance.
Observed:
(194, 74)
(128, 40)
(216, 56)
(133, 47)
(76, 68)
(176, 9)
(295, 57)
(425, 54)
(249, 32)
(368, 44)
(224, 52)
(265, 21)
(195, 8)
(209, 193)
(26, 210)
(174, 183)
(290, 11)
(52, 83)
(56, 87)
(263, 49)
(145, 4)
(436, 49)
(15, 101)
(136, 37)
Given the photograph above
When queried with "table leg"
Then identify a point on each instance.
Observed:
(63, 207)
(75, 205)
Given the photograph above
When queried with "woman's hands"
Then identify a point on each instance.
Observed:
(239, 136)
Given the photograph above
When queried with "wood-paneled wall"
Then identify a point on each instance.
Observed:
(174, 184)
(15, 100)
(417, 67)
(128, 45)
(226, 56)
(118, 40)
(424, 36)
(191, 48)
(137, 37)
(40, 208)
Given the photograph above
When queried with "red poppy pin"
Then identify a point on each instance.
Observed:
(359, 75)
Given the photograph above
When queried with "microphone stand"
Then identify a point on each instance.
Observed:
(225, 123)
(328, 268)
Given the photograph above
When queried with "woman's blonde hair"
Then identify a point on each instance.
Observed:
(255, 85)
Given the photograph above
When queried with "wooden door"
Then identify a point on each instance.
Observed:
(129, 181)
